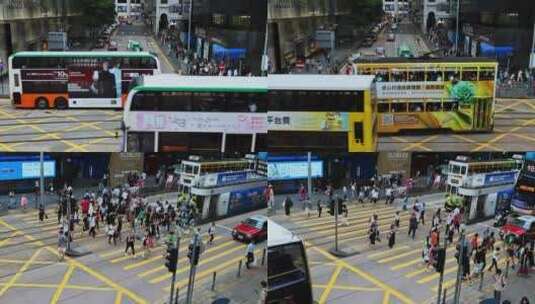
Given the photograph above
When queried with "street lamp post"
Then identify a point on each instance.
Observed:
(189, 23)
(457, 27)
(42, 179)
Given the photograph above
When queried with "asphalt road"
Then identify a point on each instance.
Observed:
(85, 130)
(31, 273)
(378, 274)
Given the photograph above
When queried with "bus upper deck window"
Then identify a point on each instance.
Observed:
(416, 107)
(383, 108)
(463, 170)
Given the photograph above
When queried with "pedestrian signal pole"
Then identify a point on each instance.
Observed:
(193, 254)
(441, 261)
(336, 224)
(171, 262)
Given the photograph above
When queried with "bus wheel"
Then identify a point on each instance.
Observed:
(41, 103)
(61, 103)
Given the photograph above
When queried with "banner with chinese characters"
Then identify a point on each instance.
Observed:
(234, 123)
(308, 121)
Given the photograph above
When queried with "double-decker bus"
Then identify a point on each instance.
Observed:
(173, 113)
(481, 187)
(75, 79)
(321, 113)
(524, 196)
(288, 273)
(452, 94)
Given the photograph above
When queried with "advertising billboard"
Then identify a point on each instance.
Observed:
(200, 122)
(17, 170)
(308, 121)
(246, 200)
(499, 178)
(294, 170)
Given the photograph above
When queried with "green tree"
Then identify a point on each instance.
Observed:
(364, 12)
(95, 13)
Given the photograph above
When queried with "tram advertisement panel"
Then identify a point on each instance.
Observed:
(308, 121)
(246, 200)
(455, 105)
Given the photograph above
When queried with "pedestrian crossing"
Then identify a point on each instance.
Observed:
(403, 261)
(223, 255)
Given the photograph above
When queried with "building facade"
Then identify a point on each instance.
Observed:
(498, 28)
(292, 27)
(396, 7)
(128, 8)
(24, 24)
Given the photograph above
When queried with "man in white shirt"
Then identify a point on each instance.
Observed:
(249, 254)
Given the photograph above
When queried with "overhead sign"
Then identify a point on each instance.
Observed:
(246, 123)
(294, 170)
(16, 170)
(308, 121)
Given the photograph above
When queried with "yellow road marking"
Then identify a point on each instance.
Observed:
(201, 262)
(345, 287)
(398, 294)
(221, 268)
(436, 274)
(79, 287)
(136, 298)
(386, 297)
(61, 286)
(119, 298)
(420, 144)
(11, 261)
(3, 242)
(399, 256)
(327, 291)
(147, 261)
(391, 251)
(20, 272)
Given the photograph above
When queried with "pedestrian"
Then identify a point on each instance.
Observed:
(287, 204)
(249, 254)
(413, 225)
(130, 239)
(62, 244)
(111, 234)
(320, 208)
(42, 214)
(307, 207)
(146, 244)
(92, 225)
(23, 202)
(495, 258)
(499, 285)
(211, 233)
(511, 255)
(396, 219)
(422, 213)
(524, 300)
(392, 236)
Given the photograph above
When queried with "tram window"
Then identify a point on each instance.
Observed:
(433, 76)
(383, 108)
(451, 106)
(416, 75)
(463, 170)
(416, 107)
(399, 107)
(433, 107)
(469, 75)
(399, 76)
(486, 75)
(451, 75)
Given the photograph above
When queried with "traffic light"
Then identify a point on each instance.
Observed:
(171, 259)
(194, 255)
(441, 259)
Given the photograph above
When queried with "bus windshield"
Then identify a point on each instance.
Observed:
(288, 275)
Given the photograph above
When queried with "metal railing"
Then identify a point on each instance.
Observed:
(515, 90)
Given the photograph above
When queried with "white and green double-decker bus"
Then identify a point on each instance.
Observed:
(75, 79)
(173, 113)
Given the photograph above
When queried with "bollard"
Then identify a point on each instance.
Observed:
(481, 280)
(444, 297)
(239, 268)
(507, 269)
(213, 281)
(263, 256)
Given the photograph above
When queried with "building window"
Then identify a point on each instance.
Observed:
(163, 1)
(121, 1)
(243, 20)
(122, 9)
(218, 19)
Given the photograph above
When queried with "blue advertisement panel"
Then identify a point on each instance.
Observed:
(231, 177)
(499, 178)
(246, 200)
(17, 170)
(294, 170)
